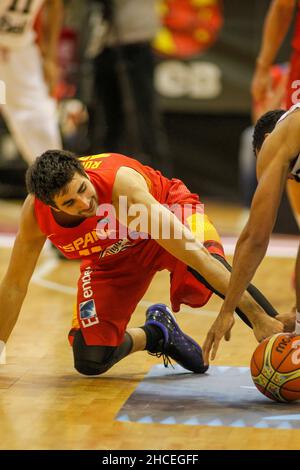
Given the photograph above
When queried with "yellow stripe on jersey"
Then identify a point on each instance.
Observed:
(95, 157)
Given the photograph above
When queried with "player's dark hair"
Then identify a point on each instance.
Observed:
(265, 125)
(50, 173)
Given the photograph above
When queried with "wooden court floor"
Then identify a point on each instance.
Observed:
(46, 404)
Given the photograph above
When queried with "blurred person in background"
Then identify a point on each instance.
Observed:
(247, 164)
(277, 22)
(121, 33)
(276, 144)
(29, 71)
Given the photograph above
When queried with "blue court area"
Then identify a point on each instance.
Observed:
(224, 396)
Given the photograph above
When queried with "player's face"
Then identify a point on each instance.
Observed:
(78, 198)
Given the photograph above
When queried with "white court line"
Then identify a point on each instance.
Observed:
(55, 286)
(49, 265)
(45, 268)
(278, 248)
(283, 247)
(7, 240)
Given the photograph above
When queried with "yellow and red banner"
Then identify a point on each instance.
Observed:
(188, 26)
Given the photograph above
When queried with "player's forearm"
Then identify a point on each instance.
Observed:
(248, 255)
(293, 190)
(214, 272)
(11, 300)
(276, 25)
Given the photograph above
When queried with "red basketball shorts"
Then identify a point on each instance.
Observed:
(108, 292)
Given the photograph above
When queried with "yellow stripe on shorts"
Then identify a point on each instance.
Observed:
(202, 228)
(75, 322)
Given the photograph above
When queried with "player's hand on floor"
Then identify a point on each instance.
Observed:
(265, 327)
(220, 328)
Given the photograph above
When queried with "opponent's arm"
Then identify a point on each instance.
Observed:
(27, 247)
(274, 160)
(293, 190)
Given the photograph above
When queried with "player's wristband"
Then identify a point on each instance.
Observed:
(297, 329)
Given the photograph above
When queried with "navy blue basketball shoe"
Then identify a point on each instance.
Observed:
(175, 344)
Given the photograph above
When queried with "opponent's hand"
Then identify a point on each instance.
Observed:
(221, 327)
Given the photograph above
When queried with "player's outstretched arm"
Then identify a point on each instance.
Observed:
(272, 170)
(13, 287)
(185, 247)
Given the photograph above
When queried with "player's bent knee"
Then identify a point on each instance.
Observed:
(91, 360)
(90, 368)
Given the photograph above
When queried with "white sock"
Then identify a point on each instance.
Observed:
(297, 329)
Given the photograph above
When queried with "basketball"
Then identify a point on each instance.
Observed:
(275, 367)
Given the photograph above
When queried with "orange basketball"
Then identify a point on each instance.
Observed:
(275, 367)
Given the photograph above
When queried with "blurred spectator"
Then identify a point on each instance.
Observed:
(276, 25)
(120, 44)
(275, 98)
(30, 73)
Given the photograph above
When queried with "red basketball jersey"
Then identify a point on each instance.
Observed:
(93, 238)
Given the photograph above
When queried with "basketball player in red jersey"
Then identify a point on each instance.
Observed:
(76, 204)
